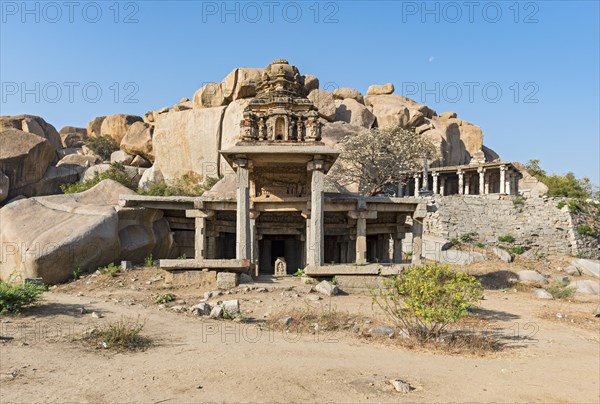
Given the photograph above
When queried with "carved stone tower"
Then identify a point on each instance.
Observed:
(280, 159)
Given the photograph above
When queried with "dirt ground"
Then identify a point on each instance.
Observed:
(551, 352)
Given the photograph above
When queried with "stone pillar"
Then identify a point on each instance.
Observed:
(481, 172)
(417, 233)
(200, 238)
(507, 186)
(502, 179)
(316, 240)
(361, 240)
(254, 242)
(417, 185)
(443, 186)
(400, 190)
(461, 182)
(397, 257)
(435, 182)
(243, 234)
(486, 188)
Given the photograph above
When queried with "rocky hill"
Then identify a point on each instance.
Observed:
(184, 139)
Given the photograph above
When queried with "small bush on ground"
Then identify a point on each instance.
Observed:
(468, 237)
(506, 238)
(116, 172)
(585, 229)
(166, 298)
(518, 201)
(425, 300)
(149, 261)
(111, 269)
(561, 290)
(121, 334)
(102, 146)
(517, 250)
(15, 297)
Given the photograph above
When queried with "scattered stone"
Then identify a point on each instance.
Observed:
(231, 307)
(285, 321)
(307, 280)
(227, 280)
(400, 386)
(382, 330)
(327, 288)
(313, 298)
(503, 254)
(529, 276)
(304, 289)
(262, 290)
(542, 294)
(178, 309)
(589, 267)
(126, 265)
(572, 270)
(598, 311)
(216, 311)
(96, 315)
(587, 287)
(562, 279)
(201, 309)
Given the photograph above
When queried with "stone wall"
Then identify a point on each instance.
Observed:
(537, 224)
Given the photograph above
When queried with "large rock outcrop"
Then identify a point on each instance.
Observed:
(50, 236)
(138, 140)
(94, 126)
(187, 142)
(32, 124)
(73, 137)
(116, 126)
(24, 158)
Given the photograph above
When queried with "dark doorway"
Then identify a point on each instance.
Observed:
(272, 247)
(277, 249)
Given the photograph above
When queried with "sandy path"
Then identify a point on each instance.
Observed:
(234, 362)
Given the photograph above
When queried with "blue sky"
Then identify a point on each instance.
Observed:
(526, 72)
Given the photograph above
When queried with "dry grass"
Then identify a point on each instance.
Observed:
(122, 334)
(466, 338)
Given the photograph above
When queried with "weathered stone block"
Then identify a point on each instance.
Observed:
(226, 280)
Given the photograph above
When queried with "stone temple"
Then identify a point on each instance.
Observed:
(280, 210)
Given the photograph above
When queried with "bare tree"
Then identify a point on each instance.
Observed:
(378, 159)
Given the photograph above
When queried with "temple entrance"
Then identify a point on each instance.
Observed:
(272, 247)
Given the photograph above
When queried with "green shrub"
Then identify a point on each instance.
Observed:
(424, 300)
(585, 230)
(188, 185)
(518, 201)
(574, 206)
(148, 261)
(561, 204)
(77, 272)
(111, 269)
(454, 241)
(116, 172)
(166, 298)
(561, 290)
(480, 245)
(468, 237)
(517, 250)
(299, 272)
(102, 146)
(506, 238)
(14, 297)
